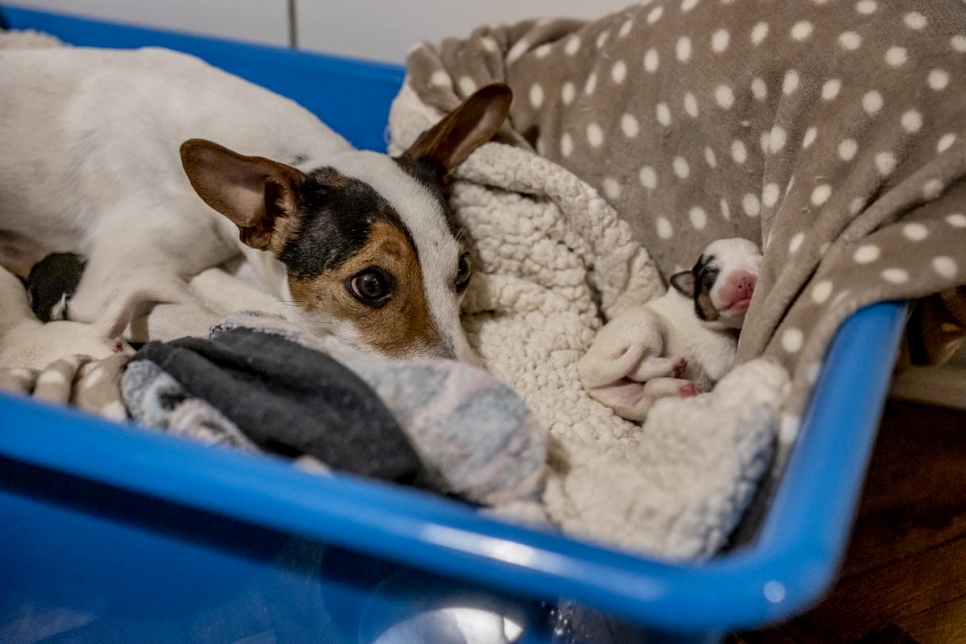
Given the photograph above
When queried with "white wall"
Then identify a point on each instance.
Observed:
(374, 29)
(262, 21)
(385, 30)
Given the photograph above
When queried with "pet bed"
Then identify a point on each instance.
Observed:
(69, 462)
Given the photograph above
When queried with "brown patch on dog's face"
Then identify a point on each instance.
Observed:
(397, 323)
(704, 307)
(706, 272)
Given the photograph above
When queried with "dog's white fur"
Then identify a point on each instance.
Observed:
(662, 348)
(101, 158)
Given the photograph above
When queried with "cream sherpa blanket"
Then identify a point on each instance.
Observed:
(547, 246)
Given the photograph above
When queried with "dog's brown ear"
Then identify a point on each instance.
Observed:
(473, 123)
(255, 193)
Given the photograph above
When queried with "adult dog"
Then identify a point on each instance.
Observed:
(155, 166)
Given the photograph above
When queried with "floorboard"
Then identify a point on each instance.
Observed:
(904, 576)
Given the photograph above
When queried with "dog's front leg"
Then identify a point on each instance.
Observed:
(166, 322)
(145, 305)
(228, 293)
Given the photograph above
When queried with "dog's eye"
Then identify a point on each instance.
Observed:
(463, 273)
(371, 286)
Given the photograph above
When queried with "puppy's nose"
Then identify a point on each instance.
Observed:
(745, 284)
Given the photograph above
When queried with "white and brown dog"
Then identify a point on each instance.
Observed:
(111, 154)
(679, 344)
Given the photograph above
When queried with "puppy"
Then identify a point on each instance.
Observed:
(679, 344)
(26, 342)
(51, 283)
(110, 154)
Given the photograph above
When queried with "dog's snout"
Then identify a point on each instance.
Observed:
(745, 285)
(737, 290)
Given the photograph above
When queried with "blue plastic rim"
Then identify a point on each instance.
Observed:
(789, 566)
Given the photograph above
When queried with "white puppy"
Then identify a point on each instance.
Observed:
(679, 344)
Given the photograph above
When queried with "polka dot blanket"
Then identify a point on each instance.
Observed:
(831, 132)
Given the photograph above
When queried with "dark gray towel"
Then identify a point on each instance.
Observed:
(291, 400)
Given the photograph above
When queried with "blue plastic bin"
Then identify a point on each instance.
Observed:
(110, 533)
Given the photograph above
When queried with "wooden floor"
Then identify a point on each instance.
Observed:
(904, 577)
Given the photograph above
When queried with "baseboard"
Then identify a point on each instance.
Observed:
(944, 386)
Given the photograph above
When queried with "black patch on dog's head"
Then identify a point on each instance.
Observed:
(697, 284)
(337, 214)
(53, 280)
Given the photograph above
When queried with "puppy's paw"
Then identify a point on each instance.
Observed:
(679, 366)
(688, 390)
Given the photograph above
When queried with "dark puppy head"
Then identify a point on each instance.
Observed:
(367, 240)
(722, 282)
(51, 283)
(50, 279)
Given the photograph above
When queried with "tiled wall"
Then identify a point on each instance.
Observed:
(374, 29)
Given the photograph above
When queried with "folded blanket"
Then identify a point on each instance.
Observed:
(831, 133)
(260, 382)
(157, 401)
(293, 401)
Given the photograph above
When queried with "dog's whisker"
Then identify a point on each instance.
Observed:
(290, 302)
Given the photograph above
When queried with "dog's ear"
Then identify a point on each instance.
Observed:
(683, 283)
(473, 123)
(255, 193)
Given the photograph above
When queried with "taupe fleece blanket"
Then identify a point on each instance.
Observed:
(832, 132)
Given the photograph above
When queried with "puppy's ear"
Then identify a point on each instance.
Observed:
(683, 283)
(257, 194)
(473, 123)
